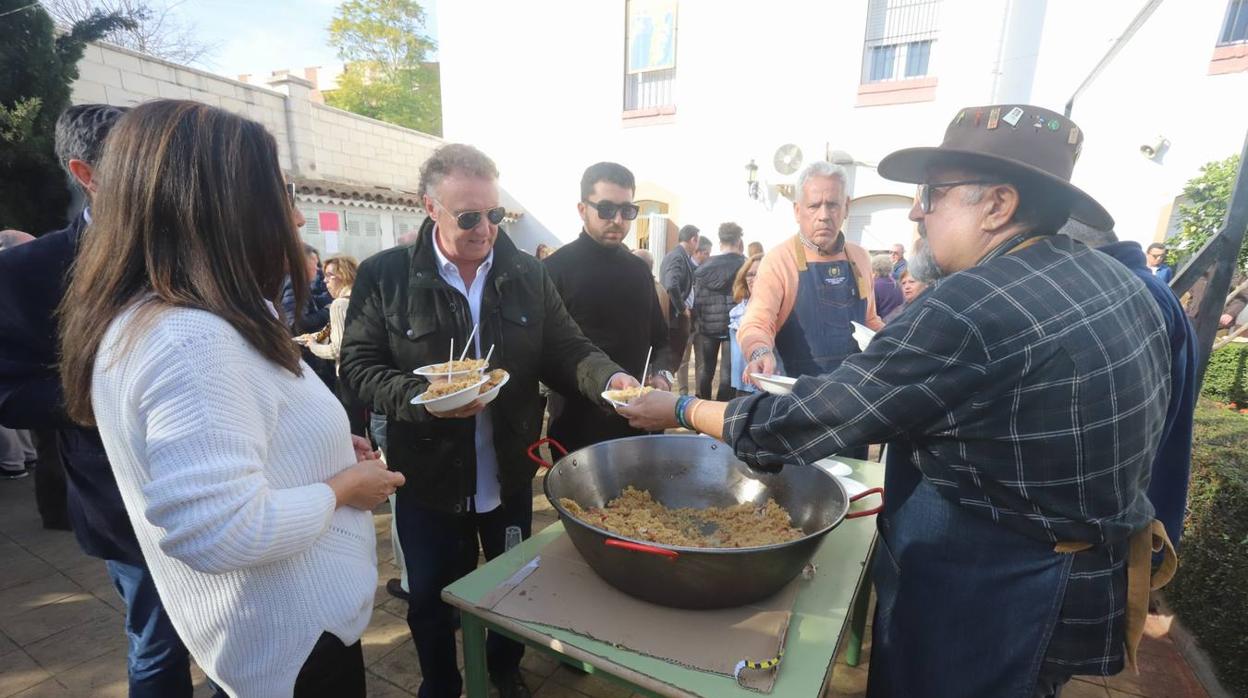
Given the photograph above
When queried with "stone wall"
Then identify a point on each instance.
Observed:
(315, 141)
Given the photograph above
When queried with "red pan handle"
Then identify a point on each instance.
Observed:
(867, 512)
(641, 548)
(532, 452)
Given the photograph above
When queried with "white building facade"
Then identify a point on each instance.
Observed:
(686, 93)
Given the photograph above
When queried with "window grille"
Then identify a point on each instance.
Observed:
(899, 38)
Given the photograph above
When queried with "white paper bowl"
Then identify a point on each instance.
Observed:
(862, 335)
(607, 395)
(776, 385)
(454, 401)
(488, 396)
(435, 376)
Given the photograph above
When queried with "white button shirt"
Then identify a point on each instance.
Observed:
(488, 496)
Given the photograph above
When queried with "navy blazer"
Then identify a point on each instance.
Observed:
(1168, 488)
(33, 280)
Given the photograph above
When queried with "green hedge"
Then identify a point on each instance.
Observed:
(1227, 375)
(1210, 591)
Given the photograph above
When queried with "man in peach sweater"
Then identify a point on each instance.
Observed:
(810, 286)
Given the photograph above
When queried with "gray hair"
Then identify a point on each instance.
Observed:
(922, 263)
(821, 168)
(81, 130)
(704, 243)
(454, 158)
(881, 265)
(1092, 237)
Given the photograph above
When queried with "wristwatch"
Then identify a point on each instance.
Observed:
(759, 353)
(667, 376)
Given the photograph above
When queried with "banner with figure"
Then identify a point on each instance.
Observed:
(651, 35)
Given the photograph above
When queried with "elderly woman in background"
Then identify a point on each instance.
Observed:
(742, 287)
(887, 294)
(250, 500)
(911, 288)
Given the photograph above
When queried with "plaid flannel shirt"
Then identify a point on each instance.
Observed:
(1031, 389)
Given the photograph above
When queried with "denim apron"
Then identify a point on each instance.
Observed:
(817, 336)
(965, 607)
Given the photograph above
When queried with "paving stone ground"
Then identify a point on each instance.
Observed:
(61, 628)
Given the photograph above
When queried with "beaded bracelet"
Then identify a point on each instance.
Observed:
(681, 403)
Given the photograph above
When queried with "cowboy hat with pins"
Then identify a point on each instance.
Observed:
(1035, 145)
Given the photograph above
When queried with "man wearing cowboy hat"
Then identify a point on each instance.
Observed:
(1022, 398)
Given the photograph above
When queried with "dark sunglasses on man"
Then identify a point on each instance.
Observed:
(607, 210)
(471, 219)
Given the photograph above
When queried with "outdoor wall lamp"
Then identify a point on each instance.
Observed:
(751, 179)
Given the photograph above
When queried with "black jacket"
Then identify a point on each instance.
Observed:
(712, 295)
(676, 275)
(610, 294)
(33, 279)
(403, 315)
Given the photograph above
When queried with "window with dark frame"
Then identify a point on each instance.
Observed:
(650, 54)
(1235, 26)
(899, 39)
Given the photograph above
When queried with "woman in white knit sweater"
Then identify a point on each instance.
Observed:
(250, 499)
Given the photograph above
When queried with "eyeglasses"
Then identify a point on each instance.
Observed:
(607, 210)
(471, 219)
(290, 193)
(925, 191)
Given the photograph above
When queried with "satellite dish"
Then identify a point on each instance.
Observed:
(788, 159)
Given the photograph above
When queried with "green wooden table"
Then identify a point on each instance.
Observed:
(822, 613)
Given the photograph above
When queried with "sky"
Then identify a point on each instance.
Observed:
(259, 36)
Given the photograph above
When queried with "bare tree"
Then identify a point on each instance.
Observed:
(156, 30)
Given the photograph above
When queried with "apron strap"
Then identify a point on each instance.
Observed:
(1141, 578)
(799, 251)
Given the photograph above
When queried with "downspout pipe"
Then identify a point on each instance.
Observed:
(1140, 18)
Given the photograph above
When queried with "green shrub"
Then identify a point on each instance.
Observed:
(1227, 374)
(1210, 591)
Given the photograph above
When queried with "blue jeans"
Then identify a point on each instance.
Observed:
(439, 548)
(965, 606)
(158, 662)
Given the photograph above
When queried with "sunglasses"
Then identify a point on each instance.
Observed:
(608, 210)
(925, 191)
(290, 193)
(471, 219)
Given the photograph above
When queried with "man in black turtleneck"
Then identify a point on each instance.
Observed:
(610, 293)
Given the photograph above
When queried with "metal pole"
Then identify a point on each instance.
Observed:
(1119, 43)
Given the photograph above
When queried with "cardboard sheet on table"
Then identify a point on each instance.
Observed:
(564, 592)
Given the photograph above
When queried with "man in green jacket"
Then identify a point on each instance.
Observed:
(468, 475)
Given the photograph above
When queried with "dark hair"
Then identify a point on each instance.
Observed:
(687, 233)
(704, 243)
(310, 251)
(612, 172)
(1157, 245)
(81, 130)
(191, 212)
(454, 158)
(730, 233)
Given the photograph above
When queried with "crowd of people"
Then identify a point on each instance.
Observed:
(229, 408)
